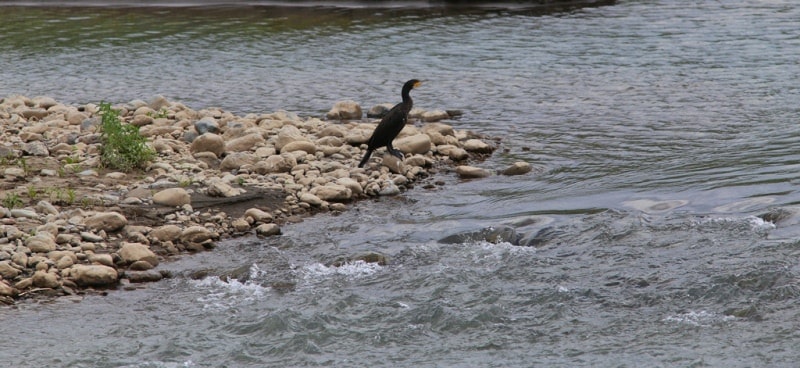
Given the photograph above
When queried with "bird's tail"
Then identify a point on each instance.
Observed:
(366, 158)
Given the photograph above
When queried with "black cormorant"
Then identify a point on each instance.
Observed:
(391, 125)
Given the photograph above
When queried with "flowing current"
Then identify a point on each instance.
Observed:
(664, 205)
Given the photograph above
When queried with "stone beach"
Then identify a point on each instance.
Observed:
(70, 226)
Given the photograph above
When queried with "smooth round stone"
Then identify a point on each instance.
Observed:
(173, 197)
(471, 172)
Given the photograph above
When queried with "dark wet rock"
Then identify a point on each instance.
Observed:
(206, 125)
(750, 313)
(540, 238)
(777, 215)
(143, 276)
(376, 258)
(492, 234)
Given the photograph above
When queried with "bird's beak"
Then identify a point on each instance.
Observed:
(419, 83)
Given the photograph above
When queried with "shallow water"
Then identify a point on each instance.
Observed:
(665, 135)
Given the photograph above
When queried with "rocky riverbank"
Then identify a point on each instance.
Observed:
(68, 225)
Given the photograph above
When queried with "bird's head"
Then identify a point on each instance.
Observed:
(414, 83)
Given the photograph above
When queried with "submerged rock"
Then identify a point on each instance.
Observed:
(493, 234)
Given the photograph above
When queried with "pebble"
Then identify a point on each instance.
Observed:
(209, 151)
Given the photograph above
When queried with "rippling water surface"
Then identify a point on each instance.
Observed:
(665, 205)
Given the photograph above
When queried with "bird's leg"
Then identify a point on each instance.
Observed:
(394, 152)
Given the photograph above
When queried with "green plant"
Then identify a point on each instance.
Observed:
(23, 163)
(123, 147)
(70, 196)
(12, 200)
(163, 113)
(32, 192)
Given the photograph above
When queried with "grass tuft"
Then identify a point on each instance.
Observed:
(123, 147)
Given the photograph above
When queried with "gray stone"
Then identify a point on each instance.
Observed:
(219, 188)
(106, 221)
(94, 275)
(206, 125)
(172, 197)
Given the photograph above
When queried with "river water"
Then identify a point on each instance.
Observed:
(666, 201)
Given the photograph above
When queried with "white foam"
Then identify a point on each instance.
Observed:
(225, 293)
(700, 319)
(186, 364)
(355, 269)
(756, 223)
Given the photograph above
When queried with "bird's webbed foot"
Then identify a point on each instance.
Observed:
(395, 152)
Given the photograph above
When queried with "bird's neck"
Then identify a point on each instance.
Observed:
(407, 98)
